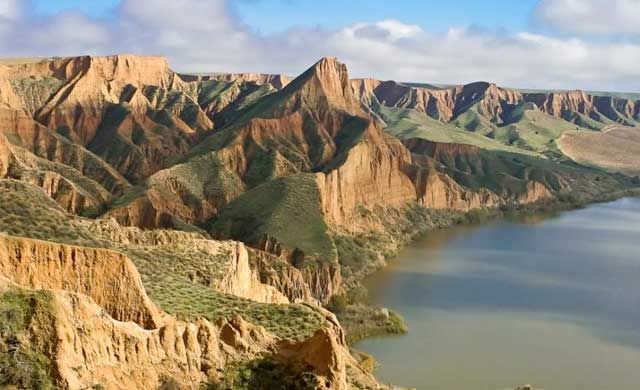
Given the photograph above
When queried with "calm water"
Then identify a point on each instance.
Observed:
(554, 303)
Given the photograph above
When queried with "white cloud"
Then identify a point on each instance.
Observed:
(66, 34)
(206, 35)
(9, 9)
(590, 16)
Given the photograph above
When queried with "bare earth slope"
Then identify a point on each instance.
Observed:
(616, 148)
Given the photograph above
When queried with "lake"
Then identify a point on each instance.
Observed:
(554, 302)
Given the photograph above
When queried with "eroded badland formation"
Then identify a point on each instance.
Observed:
(161, 229)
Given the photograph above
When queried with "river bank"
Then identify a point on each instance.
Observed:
(362, 320)
(545, 301)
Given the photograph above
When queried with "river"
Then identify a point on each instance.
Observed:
(553, 301)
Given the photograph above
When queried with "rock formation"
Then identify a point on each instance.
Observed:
(102, 329)
(495, 103)
(278, 81)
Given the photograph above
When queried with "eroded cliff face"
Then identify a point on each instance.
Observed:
(90, 84)
(70, 174)
(494, 102)
(437, 189)
(108, 277)
(131, 111)
(371, 175)
(101, 329)
(5, 156)
(242, 280)
(309, 125)
(278, 272)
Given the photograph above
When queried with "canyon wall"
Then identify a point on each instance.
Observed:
(108, 277)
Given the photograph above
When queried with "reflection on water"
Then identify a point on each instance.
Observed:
(555, 303)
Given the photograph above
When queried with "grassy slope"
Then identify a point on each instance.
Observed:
(528, 132)
(534, 130)
(287, 209)
(406, 123)
(167, 271)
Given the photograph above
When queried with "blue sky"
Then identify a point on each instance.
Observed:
(96, 8)
(268, 15)
(563, 44)
(276, 15)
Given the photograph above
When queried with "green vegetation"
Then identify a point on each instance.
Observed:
(360, 320)
(405, 124)
(265, 373)
(533, 130)
(20, 364)
(285, 209)
(189, 301)
(26, 211)
(179, 278)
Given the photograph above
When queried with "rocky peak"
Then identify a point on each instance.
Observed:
(326, 84)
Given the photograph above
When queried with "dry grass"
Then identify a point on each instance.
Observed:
(616, 148)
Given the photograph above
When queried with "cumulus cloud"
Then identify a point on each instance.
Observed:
(206, 35)
(590, 16)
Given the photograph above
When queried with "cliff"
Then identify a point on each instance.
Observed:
(99, 328)
(373, 174)
(108, 277)
(308, 125)
(133, 112)
(496, 104)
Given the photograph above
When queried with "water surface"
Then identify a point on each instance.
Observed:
(552, 302)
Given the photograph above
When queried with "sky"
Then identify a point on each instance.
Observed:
(562, 44)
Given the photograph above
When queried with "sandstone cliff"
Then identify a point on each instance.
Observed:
(133, 112)
(309, 124)
(496, 103)
(107, 277)
(93, 291)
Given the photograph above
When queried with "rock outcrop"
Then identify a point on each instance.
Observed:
(108, 277)
(309, 125)
(134, 112)
(242, 280)
(101, 329)
(372, 174)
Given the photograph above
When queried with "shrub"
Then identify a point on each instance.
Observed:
(338, 303)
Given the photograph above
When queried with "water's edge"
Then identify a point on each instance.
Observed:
(443, 233)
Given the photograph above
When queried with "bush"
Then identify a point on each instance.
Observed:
(358, 295)
(338, 303)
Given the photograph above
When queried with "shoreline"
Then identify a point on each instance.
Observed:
(362, 320)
